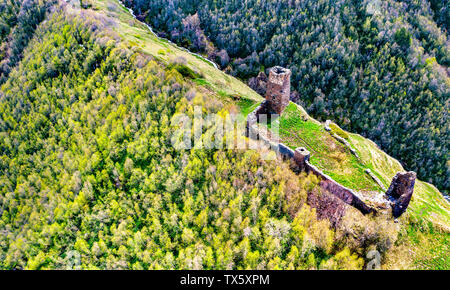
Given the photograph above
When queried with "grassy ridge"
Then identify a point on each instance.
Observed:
(427, 204)
(424, 241)
(298, 129)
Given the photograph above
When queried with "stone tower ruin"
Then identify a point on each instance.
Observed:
(401, 191)
(332, 201)
(278, 89)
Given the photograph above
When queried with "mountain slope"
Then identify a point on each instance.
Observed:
(379, 68)
(381, 162)
(87, 168)
(18, 20)
(298, 129)
(139, 35)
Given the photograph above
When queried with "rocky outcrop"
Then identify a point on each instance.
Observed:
(400, 192)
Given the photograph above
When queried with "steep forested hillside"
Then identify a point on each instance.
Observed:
(376, 67)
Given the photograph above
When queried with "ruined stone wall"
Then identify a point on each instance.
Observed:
(253, 118)
(300, 158)
(400, 191)
(278, 89)
(329, 206)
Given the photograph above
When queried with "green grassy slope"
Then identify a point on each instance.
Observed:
(427, 222)
(297, 129)
(427, 204)
(328, 154)
(87, 163)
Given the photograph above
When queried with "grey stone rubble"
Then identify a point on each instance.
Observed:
(327, 125)
(345, 142)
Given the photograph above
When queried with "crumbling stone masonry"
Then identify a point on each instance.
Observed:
(348, 196)
(401, 191)
(332, 207)
(278, 89)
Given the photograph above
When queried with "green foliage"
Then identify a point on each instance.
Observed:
(431, 246)
(18, 21)
(343, 260)
(87, 166)
(403, 38)
(85, 4)
(247, 106)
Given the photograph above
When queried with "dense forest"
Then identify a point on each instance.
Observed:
(87, 167)
(376, 67)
